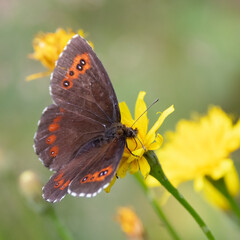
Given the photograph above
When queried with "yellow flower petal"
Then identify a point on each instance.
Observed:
(232, 181)
(214, 196)
(136, 155)
(37, 75)
(123, 168)
(157, 144)
(133, 167)
(221, 170)
(151, 181)
(108, 189)
(144, 167)
(126, 117)
(151, 134)
(141, 123)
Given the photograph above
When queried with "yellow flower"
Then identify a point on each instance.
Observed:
(31, 188)
(134, 160)
(47, 48)
(201, 148)
(130, 223)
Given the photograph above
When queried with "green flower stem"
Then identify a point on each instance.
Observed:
(156, 206)
(61, 229)
(234, 206)
(222, 188)
(157, 172)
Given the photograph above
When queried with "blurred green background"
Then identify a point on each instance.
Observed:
(186, 53)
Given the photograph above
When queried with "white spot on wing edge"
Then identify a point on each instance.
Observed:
(62, 198)
(65, 48)
(51, 76)
(35, 135)
(34, 148)
(50, 90)
(76, 35)
(44, 110)
(47, 199)
(60, 54)
(106, 185)
(73, 194)
(89, 195)
(99, 190)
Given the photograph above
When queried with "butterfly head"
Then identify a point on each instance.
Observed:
(129, 132)
(120, 130)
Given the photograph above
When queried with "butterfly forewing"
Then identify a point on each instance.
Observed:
(81, 84)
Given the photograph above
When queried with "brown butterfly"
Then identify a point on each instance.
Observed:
(80, 135)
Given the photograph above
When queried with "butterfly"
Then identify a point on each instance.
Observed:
(80, 136)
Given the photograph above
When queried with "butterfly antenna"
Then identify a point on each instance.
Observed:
(140, 117)
(145, 111)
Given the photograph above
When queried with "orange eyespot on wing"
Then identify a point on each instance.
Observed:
(60, 182)
(65, 184)
(67, 83)
(53, 151)
(97, 176)
(53, 127)
(51, 139)
(59, 176)
(57, 119)
(81, 63)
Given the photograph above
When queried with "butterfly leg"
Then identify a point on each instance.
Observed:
(130, 150)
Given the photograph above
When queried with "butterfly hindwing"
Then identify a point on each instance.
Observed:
(91, 171)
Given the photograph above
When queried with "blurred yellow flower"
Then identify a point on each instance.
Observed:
(130, 223)
(201, 148)
(133, 159)
(47, 48)
(31, 187)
